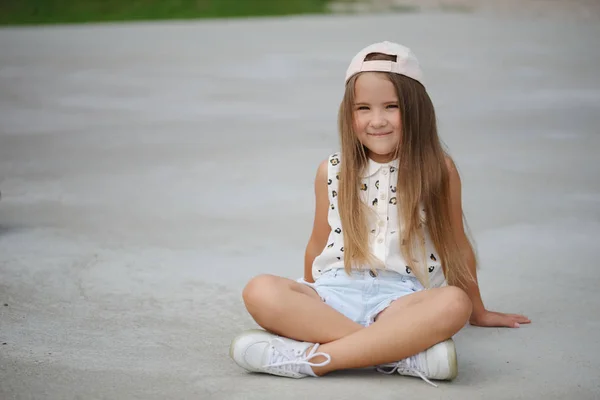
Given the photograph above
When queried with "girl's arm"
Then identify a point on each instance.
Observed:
(480, 316)
(321, 228)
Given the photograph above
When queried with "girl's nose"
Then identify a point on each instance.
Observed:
(378, 120)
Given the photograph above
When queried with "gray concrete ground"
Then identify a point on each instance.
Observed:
(149, 170)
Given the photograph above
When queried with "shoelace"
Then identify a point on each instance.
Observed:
(410, 365)
(287, 358)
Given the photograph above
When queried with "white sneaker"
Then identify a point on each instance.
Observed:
(260, 351)
(437, 362)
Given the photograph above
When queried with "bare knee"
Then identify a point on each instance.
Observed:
(457, 306)
(258, 288)
(261, 296)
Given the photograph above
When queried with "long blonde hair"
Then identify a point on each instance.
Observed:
(423, 185)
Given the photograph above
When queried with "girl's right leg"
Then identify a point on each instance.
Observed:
(410, 325)
(295, 311)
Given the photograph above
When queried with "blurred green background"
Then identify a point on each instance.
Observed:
(17, 12)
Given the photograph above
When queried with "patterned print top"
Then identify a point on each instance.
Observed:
(378, 190)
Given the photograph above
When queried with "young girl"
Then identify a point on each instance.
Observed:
(389, 274)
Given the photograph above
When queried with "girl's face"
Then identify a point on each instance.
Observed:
(376, 116)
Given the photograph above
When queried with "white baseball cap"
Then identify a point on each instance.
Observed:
(406, 63)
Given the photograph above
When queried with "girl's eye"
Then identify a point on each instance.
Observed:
(362, 108)
(392, 106)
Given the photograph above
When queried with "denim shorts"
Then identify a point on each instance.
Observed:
(362, 295)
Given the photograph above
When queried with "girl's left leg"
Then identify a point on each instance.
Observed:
(408, 326)
(412, 329)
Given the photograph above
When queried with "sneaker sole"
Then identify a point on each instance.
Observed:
(453, 364)
(236, 340)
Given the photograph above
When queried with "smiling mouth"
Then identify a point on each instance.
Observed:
(380, 134)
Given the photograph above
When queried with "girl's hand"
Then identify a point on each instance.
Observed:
(496, 319)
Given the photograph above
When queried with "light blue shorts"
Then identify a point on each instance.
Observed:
(363, 295)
